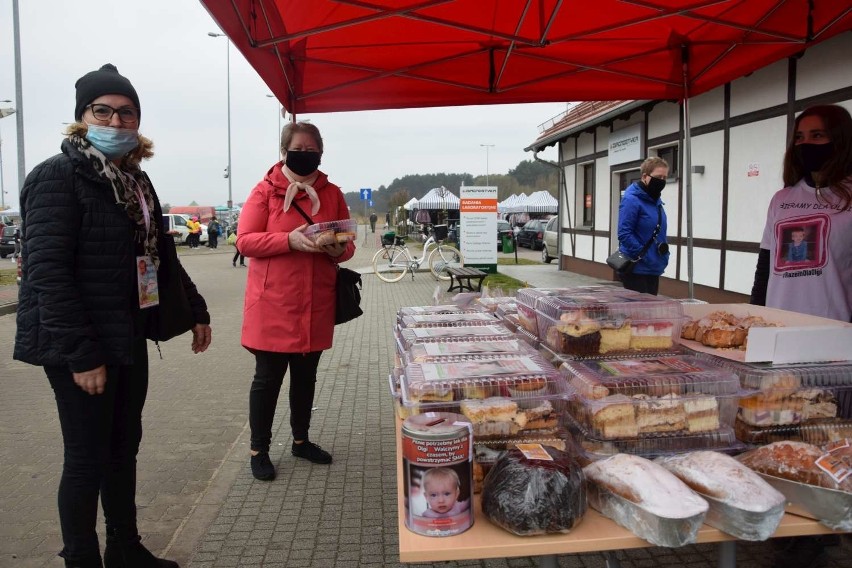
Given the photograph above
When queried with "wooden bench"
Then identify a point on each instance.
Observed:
(460, 279)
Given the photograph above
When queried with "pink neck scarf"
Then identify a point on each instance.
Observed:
(305, 186)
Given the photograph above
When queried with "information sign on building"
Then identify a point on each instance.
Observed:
(478, 236)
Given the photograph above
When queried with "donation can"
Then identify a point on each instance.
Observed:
(437, 465)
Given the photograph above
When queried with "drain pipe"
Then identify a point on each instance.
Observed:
(561, 182)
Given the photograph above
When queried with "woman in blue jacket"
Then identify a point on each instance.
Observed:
(640, 212)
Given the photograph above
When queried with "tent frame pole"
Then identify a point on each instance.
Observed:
(687, 171)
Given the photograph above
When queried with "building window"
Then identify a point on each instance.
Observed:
(670, 155)
(624, 181)
(588, 194)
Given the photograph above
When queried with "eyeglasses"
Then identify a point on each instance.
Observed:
(105, 112)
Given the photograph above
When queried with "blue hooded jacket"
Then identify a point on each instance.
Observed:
(637, 217)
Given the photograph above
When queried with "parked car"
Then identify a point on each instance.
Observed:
(175, 223)
(550, 247)
(7, 240)
(503, 228)
(531, 235)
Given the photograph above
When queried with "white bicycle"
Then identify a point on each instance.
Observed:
(393, 261)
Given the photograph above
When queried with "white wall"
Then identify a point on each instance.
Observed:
(761, 143)
(707, 107)
(602, 194)
(706, 264)
(764, 88)
(663, 119)
(739, 271)
(825, 67)
(707, 150)
(584, 246)
(585, 144)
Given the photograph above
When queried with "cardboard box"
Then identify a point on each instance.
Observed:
(801, 339)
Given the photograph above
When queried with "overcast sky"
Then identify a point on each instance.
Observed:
(179, 71)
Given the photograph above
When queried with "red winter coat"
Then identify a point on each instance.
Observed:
(289, 304)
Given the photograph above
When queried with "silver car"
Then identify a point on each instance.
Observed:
(549, 241)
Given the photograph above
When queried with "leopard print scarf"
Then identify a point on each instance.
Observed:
(127, 185)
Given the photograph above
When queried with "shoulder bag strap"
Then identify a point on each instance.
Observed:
(653, 235)
(311, 221)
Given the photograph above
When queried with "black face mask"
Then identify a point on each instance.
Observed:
(654, 187)
(302, 163)
(813, 156)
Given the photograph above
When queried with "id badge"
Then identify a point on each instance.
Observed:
(146, 277)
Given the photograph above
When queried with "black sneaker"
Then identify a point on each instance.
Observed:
(311, 452)
(261, 467)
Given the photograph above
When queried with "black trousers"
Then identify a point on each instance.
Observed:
(212, 240)
(641, 283)
(263, 397)
(239, 255)
(101, 436)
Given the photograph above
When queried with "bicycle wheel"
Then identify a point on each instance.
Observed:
(390, 263)
(442, 258)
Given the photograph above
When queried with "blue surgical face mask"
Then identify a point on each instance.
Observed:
(112, 142)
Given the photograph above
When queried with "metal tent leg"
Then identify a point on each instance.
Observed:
(611, 560)
(728, 554)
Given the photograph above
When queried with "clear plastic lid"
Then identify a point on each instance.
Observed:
(502, 310)
(342, 230)
(620, 416)
(529, 296)
(530, 338)
(516, 377)
(610, 309)
(441, 309)
(491, 303)
(412, 336)
(767, 375)
(816, 433)
(677, 374)
(558, 358)
(510, 321)
(498, 417)
(791, 406)
(441, 351)
(448, 320)
(593, 448)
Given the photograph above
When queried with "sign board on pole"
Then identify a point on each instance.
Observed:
(366, 193)
(371, 203)
(478, 216)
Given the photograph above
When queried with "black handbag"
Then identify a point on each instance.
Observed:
(622, 263)
(174, 315)
(348, 288)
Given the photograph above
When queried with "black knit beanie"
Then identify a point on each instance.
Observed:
(105, 81)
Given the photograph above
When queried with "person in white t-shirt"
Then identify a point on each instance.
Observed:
(805, 259)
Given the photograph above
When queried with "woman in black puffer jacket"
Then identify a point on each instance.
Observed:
(96, 261)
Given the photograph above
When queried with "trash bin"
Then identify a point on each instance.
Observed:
(508, 243)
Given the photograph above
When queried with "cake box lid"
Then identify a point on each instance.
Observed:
(412, 336)
(610, 306)
(448, 320)
(683, 374)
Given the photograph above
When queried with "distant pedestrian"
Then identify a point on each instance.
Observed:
(373, 219)
(17, 237)
(237, 253)
(213, 231)
(194, 226)
(92, 225)
(387, 220)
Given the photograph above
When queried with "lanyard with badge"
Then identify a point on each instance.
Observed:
(146, 272)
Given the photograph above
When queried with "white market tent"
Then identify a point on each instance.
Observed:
(538, 202)
(505, 205)
(411, 204)
(438, 198)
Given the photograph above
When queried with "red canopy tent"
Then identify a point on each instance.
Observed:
(339, 55)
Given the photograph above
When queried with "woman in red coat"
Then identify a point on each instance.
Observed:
(288, 318)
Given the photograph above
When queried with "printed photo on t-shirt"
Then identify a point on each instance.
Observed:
(801, 243)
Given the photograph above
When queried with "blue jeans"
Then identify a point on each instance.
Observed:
(101, 435)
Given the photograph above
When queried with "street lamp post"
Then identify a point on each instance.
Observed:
(4, 112)
(277, 138)
(486, 146)
(228, 80)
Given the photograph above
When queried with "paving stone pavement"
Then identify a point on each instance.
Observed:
(198, 502)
